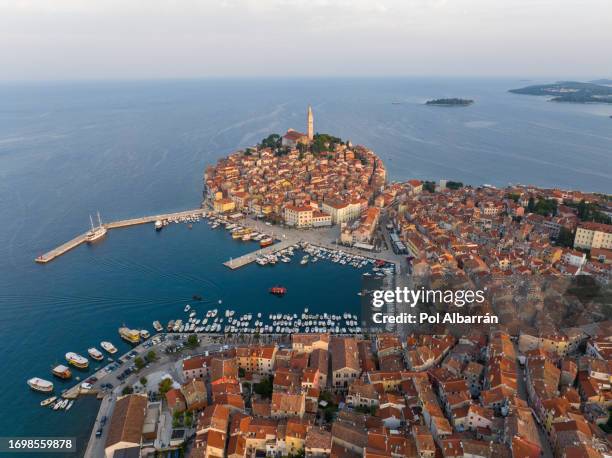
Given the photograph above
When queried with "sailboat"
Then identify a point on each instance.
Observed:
(96, 232)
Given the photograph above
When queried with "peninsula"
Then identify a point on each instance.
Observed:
(451, 102)
(570, 91)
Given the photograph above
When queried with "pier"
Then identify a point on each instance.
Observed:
(82, 238)
(251, 257)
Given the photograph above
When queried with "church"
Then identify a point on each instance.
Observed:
(293, 137)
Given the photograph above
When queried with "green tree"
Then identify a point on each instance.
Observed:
(127, 390)
(530, 205)
(192, 341)
(565, 237)
(271, 141)
(264, 388)
(164, 386)
(139, 362)
(143, 381)
(151, 356)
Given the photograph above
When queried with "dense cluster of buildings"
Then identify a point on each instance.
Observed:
(296, 185)
(491, 231)
(480, 395)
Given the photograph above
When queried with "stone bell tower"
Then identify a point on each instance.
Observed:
(310, 129)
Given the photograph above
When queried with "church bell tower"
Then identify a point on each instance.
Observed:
(310, 129)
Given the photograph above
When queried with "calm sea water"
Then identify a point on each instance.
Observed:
(137, 148)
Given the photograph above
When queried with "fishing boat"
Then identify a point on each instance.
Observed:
(95, 353)
(77, 360)
(129, 335)
(62, 372)
(39, 384)
(278, 291)
(48, 401)
(109, 347)
(96, 232)
(266, 241)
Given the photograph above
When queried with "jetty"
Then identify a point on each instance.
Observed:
(82, 238)
(248, 258)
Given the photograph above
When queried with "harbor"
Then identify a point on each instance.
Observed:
(97, 232)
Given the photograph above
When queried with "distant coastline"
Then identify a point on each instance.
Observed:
(570, 91)
(451, 102)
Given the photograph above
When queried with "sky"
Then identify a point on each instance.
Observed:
(135, 39)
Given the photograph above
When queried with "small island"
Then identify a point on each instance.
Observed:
(570, 91)
(454, 102)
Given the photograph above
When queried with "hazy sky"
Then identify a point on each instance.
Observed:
(58, 39)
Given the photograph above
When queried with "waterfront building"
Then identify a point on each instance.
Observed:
(224, 205)
(308, 342)
(299, 216)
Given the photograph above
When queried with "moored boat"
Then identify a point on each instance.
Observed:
(77, 360)
(129, 335)
(95, 353)
(109, 347)
(157, 326)
(48, 401)
(267, 241)
(144, 334)
(39, 384)
(278, 290)
(159, 225)
(96, 232)
(61, 371)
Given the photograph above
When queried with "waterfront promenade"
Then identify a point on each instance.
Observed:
(82, 238)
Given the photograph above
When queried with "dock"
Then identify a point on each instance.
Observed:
(252, 256)
(82, 238)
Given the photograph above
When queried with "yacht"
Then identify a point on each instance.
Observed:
(144, 334)
(109, 347)
(95, 353)
(39, 384)
(157, 326)
(77, 360)
(96, 232)
(159, 225)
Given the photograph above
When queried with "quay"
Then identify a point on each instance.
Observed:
(250, 257)
(82, 238)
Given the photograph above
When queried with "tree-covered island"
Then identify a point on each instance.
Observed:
(452, 102)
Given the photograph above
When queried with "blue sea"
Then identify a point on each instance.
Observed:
(135, 148)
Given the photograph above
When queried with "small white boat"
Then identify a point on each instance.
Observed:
(144, 334)
(187, 308)
(48, 401)
(109, 347)
(95, 353)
